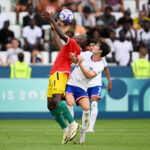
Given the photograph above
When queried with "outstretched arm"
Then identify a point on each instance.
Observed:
(109, 87)
(50, 18)
(87, 74)
(57, 40)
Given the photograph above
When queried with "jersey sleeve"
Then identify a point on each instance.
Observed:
(97, 70)
(104, 62)
(86, 55)
(73, 46)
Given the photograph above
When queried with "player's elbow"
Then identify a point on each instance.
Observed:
(90, 75)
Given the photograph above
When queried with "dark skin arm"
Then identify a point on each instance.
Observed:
(57, 39)
(48, 16)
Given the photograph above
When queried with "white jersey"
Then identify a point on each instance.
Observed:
(77, 78)
(97, 80)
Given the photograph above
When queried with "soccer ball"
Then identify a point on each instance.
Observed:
(66, 16)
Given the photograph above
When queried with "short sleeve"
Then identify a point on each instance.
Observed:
(104, 62)
(72, 46)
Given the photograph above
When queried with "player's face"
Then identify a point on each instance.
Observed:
(96, 49)
(81, 40)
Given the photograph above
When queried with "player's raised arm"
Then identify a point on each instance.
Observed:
(88, 74)
(57, 40)
(50, 18)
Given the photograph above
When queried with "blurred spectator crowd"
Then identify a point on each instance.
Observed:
(125, 24)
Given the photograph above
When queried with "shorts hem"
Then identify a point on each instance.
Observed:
(81, 97)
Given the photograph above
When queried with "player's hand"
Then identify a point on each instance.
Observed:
(46, 16)
(109, 87)
(73, 58)
(80, 59)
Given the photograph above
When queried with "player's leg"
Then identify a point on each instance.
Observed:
(94, 113)
(84, 103)
(55, 110)
(95, 94)
(57, 107)
(69, 96)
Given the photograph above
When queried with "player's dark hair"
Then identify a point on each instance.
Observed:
(104, 47)
(21, 57)
(92, 41)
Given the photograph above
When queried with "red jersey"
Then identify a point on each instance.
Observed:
(62, 62)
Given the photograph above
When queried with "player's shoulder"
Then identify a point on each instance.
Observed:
(71, 40)
(86, 54)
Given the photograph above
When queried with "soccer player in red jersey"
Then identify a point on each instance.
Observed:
(59, 76)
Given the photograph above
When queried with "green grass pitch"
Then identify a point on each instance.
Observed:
(47, 135)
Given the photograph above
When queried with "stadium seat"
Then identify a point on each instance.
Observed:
(78, 18)
(131, 4)
(135, 56)
(21, 15)
(3, 56)
(11, 17)
(53, 56)
(117, 15)
(27, 57)
(46, 27)
(5, 5)
(141, 2)
(16, 29)
(45, 57)
(134, 15)
(22, 41)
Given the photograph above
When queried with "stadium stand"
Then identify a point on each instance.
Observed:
(53, 56)
(5, 5)
(11, 17)
(17, 30)
(21, 15)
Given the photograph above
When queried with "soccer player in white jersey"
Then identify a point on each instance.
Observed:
(89, 65)
(95, 88)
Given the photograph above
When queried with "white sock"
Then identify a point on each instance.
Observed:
(85, 119)
(72, 113)
(94, 113)
(71, 110)
(65, 129)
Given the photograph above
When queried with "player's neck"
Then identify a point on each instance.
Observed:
(96, 58)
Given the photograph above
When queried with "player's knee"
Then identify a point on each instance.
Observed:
(51, 104)
(86, 107)
(70, 103)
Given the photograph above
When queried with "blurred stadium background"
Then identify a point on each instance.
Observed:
(26, 98)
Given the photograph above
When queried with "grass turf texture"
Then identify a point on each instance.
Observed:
(47, 135)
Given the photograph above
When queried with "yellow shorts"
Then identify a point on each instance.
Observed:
(57, 84)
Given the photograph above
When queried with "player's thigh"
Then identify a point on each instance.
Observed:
(69, 99)
(59, 81)
(84, 103)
